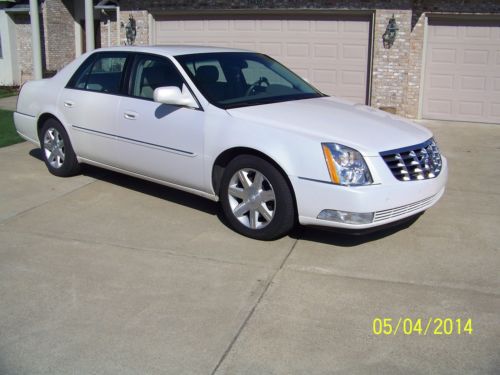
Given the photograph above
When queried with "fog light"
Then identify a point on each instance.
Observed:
(346, 217)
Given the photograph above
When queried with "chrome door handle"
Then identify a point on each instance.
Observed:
(69, 103)
(130, 115)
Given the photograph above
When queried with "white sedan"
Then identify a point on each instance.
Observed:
(236, 127)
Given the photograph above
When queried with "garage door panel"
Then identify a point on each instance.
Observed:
(473, 83)
(218, 25)
(475, 56)
(441, 81)
(325, 50)
(297, 49)
(495, 109)
(326, 26)
(245, 25)
(269, 25)
(468, 108)
(316, 49)
(477, 33)
(461, 71)
(326, 76)
(193, 26)
(298, 25)
(354, 27)
(440, 107)
(441, 55)
(496, 84)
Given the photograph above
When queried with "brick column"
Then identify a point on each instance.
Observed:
(142, 25)
(390, 66)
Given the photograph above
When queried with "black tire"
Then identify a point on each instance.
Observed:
(274, 184)
(57, 151)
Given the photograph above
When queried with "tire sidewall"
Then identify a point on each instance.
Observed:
(284, 216)
(70, 164)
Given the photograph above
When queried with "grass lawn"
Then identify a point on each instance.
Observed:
(8, 134)
(7, 91)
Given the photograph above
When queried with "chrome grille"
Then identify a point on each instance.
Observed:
(418, 162)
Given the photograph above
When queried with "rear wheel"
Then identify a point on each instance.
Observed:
(58, 153)
(256, 199)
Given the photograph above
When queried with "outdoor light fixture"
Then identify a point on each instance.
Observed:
(131, 30)
(390, 33)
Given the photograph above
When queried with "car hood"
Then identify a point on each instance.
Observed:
(330, 119)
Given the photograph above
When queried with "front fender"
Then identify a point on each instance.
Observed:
(297, 155)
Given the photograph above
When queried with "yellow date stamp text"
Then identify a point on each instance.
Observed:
(421, 326)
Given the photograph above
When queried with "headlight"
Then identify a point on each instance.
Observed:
(346, 165)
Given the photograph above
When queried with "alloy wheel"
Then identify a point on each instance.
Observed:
(53, 146)
(252, 198)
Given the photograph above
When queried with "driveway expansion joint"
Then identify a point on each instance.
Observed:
(254, 307)
(157, 251)
(322, 272)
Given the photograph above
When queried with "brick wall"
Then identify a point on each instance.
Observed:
(108, 25)
(141, 19)
(23, 40)
(414, 69)
(23, 45)
(390, 65)
(60, 33)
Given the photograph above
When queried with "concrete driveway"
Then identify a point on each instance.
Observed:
(106, 274)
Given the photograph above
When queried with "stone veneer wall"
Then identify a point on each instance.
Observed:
(59, 30)
(106, 22)
(142, 26)
(390, 66)
(23, 40)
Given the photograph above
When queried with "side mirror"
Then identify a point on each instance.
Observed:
(173, 95)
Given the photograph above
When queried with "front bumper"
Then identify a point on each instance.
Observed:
(389, 202)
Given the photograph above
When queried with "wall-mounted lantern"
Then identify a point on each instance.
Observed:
(130, 30)
(390, 33)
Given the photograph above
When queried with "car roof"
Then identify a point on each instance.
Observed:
(171, 50)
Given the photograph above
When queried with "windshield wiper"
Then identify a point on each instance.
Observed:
(248, 103)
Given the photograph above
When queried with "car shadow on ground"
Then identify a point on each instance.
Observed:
(145, 187)
(341, 238)
(325, 236)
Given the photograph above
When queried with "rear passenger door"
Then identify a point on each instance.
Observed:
(89, 105)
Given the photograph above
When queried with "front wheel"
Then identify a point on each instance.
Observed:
(256, 199)
(58, 153)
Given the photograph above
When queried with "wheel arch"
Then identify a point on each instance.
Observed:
(225, 158)
(41, 120)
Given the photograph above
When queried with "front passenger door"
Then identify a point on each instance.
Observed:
(157, 140)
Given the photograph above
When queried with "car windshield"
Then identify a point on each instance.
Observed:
(239, 79)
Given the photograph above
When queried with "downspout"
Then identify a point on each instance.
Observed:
(35, 39)
(89, 26)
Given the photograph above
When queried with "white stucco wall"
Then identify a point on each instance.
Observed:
(9, 72)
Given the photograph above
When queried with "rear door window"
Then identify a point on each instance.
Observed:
(103, 72)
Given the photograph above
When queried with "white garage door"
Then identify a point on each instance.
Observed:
(331, 53)
(462, 71)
